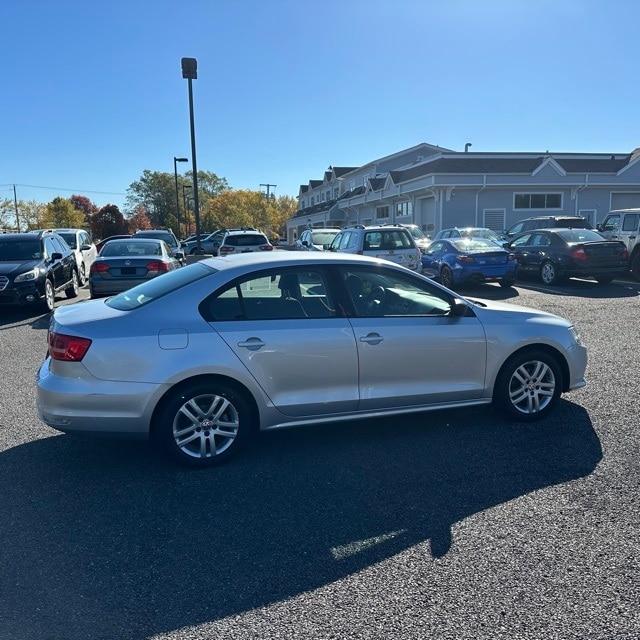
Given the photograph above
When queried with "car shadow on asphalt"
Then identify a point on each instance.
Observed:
(104, 539)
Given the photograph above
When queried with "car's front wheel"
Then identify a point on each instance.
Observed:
(528, 386)
(204, 424)
(49, 295)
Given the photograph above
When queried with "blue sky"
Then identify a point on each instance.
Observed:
(92, 93)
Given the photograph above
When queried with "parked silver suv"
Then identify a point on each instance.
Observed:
(390, 242)
(624, 224)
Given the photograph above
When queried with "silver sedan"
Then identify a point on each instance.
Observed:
(202, 356)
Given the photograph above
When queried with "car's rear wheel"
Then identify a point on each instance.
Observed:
(507, 282)
(635, 265)
(72, 290)
(446, 277)
(49, 295)
(528, 386)
(204, 424)
(549, 273)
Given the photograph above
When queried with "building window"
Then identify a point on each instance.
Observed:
(352, 185)
(537, 201)
(404, 209)
(382, 212)
(336, 192)
(323, 197)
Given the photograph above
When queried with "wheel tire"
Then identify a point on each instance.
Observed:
(49, 295)
(549, 273)
(446, 277)
(204, 425)
(193, 252)
(635, 266)
(507, 282)
(82, 276)
(528, 386)
(72, 290)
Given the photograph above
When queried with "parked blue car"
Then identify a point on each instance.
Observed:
(469, 260)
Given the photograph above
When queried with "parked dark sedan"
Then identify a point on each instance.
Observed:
(122, 264)
(556, 254)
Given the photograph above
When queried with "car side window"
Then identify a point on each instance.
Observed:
(612, 223)
(273, 295)
(630, 222)
(540, 240)
(435, 247)
(344, 241)
(390, 293)
(522, 241)
(49, 247)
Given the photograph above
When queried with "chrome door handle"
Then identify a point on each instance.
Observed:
(252, 343)
(372, 338)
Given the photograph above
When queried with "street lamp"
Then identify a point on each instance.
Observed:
(175, 173)
(190, 72)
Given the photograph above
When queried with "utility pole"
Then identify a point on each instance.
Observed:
(268, 186)
(15, 202)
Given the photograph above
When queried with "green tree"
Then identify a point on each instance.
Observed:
(7, 214)
(62, 213)
(108, 221)
(280, 210)
(34, 215)
(157, 192)
(235, 208)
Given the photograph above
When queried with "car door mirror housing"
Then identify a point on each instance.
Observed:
(458, 308)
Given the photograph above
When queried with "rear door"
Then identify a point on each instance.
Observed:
(283, 326)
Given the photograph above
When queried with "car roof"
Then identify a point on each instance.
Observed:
(136, 240)
(19, 236)
(244, 261)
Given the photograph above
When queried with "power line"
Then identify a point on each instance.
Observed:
(34, 186)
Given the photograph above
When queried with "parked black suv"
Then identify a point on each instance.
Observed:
(546, 222)
(34, 267)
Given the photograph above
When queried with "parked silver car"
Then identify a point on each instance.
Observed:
(203, 355)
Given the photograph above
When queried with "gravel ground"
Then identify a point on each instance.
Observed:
(450, 525)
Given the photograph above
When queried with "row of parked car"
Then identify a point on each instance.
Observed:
(551, 248)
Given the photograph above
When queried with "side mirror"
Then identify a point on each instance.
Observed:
(56, 256)
(85, 247)
(305, 243)
(458, 308)
(599, 227)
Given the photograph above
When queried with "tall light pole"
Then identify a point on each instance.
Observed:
(269, 196)
(175, 173)
(190, 72)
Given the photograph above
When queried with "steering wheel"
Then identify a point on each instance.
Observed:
(375, 300)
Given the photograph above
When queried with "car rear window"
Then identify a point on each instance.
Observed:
(151, 290)
(391, 239)
(20, 250)
(579, 235)
(572, 223)
(245, 241)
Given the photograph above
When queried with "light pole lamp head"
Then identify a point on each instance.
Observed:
(190, 68)
(180, 159)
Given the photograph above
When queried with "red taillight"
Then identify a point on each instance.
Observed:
(68, 348)
(157, 266)
(224, 250)
(266, 247)
(579, 254)
(99, 267)
(625, 253)
(466, 259)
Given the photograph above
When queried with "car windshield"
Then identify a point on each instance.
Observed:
(167, 237)
(70, 239)
(417, 233)
(473, 244)
(20, 250)
(480, 233)
(151, 290)
(323, 237)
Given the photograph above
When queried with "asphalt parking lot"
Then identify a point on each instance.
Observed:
(446, 525)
